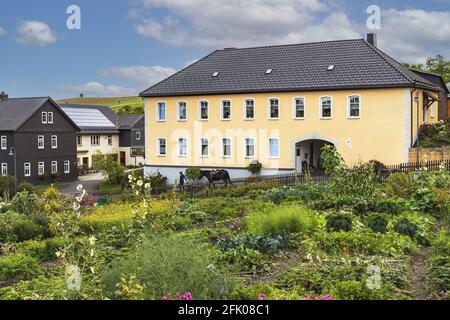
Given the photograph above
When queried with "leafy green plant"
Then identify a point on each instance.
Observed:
(339, 222)
(171, 264)
(25, 229)
(109, 167)
(255, 167)
(282, 220)
(400, 185)
(18, 267)
(405, 227)
(267, 244)
(245, 260)
(41, 250)
(377, 222)
(355, 290)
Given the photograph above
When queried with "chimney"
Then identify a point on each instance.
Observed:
(3, 96)
(372, 39)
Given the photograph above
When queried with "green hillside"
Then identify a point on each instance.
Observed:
(122, 105)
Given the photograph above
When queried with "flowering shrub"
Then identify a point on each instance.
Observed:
(177, 296)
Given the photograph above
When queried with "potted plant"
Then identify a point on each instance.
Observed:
(255, 167)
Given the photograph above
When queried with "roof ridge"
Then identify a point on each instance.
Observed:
(28, 98)
(291, 44)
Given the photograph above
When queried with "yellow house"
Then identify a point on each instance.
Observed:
(281, 104)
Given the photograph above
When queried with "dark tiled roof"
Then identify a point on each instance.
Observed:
(298, 67)
(15, 111)
(109, 118)
(434, 78)
(128, 121)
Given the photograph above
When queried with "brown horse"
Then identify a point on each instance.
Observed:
(216, 175)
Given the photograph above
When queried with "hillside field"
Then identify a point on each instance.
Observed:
(119, 104)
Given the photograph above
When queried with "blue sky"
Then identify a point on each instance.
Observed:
(124, 46)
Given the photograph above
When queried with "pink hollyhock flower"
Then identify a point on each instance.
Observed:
(186, 296)
(262, 297)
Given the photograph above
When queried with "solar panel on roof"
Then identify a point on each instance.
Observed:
(88, 117)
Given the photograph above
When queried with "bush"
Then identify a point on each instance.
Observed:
(440, 264)
(355, 290)
(182, 223)
(377, 222)
(157, 181)
(245, 260)
(405, 227)
(339, 222)
(282, 220)
(110, 168)
(400, 185)
(391, 205)
(25, 186)
(18, 267)
(167, 264)
(41, 250)
(40, 288)
(27, 230)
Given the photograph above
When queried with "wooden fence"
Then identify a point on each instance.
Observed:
(294, 178)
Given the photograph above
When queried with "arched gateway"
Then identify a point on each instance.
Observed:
(308, 154)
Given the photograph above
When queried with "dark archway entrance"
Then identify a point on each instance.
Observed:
(308, 155)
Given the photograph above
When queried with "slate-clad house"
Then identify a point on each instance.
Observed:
(281, 104)
(131, 139)
(42, 137)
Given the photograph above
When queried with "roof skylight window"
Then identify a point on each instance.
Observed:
(269, 71)
(331, 68)
(215, 74)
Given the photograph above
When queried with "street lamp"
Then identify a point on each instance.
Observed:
(13, 153)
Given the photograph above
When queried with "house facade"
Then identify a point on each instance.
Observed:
(103, 131)
(98, 132)
(280, 105)
(131, 139)
(37, 136)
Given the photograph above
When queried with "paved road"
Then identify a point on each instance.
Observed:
(90, 183)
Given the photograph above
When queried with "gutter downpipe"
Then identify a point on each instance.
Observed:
(412, 117)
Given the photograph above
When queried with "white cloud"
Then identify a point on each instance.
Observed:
(189, 62)
(140, 76)
(413, 35)
(214, 24)
(35, 33)
(2, 31)
(96, 89)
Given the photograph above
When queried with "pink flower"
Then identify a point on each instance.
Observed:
(262, 297)
(327, 297)
(186, 296)
(167, 297)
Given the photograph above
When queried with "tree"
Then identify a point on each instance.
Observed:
(81, 95)
(109, 167)
(437, 65)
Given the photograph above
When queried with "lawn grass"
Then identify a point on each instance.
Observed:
(107, 188)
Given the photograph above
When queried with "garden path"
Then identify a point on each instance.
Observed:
(419, 277)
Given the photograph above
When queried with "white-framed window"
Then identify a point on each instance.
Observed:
(41, 143)
(138, 135)
(226, 109)
(50, 118)
(54, 167)
(162, 147)
(4, 142)
(203, 110)
(182, 111)
(4, 169)
(44, 117)
(66, 166)
(354, 106)
(274, 109)
(41, 168)
(27, 169)
(249, 147)
(326, 107)
(54, 142)
(274, 148)
(95, 141)
(161, 112)
(226, 147)
(110, 141)
(79, 141)
(204, 147)
(182, 147)
(249, 109)
(299, 108)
